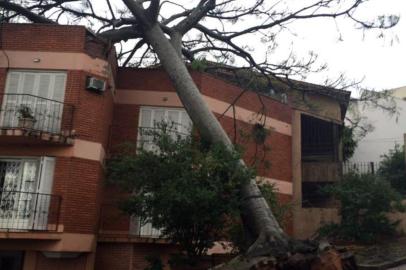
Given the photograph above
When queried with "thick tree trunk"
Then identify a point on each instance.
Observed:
(256, 212)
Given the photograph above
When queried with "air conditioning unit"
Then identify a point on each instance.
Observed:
(95, 84)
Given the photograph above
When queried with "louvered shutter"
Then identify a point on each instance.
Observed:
(44, 193)
(10, 101)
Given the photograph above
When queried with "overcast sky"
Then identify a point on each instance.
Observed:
(382, 61)
(379, 61)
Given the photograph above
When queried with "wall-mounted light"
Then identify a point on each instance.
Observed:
(164, 99)
(36, 60)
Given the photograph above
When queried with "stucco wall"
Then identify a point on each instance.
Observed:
(388, 131)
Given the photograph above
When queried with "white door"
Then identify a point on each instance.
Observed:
(25, 193)
(42, 92)
(149, 118)
(18, 183)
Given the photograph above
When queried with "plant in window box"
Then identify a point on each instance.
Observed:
(26, 117)
(259, 133)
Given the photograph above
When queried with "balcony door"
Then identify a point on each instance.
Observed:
(24, 185)
(150, 117)
(42, 92)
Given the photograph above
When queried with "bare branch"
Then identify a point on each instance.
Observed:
(24, 12)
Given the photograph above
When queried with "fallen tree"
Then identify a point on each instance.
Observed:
(172, 34)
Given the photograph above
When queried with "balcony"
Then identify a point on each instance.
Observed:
(27, 118)
(28, 211)
(321, 171)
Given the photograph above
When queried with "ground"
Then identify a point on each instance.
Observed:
(390, 254)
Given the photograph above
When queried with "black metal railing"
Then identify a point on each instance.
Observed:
(34, 113)
(28, 211)
(361, 167)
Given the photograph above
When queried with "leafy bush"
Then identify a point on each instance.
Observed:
(349, 142)
(184, 187)
(365, 200)
(393, 168)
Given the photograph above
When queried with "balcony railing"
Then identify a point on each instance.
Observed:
(361, 167)
(35, 114)
(28, 211)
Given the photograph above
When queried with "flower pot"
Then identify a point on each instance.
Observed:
(27, 123)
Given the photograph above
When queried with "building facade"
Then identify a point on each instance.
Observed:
(387, 129)
(66, 105)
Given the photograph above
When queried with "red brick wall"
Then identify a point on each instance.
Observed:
(42, 37)
(79, 182)
(117, 256)
(55, 38)
(93, 112)
(146, 79)
(44, 263)
(222, 90)
(158, 80)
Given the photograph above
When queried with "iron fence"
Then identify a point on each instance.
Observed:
(361, 167)
(28, 211)
(34, 113)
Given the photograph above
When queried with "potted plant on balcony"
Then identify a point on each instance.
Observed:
(26, 117)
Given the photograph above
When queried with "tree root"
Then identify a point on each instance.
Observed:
(323, 258)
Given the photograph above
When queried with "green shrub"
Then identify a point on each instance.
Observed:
(365, 200)
(393, 168)
(187, 188)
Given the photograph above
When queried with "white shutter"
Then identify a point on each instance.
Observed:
(47, 175)
(58, 92)
(185, 123)
(44, 85)
(29, 84)
(44, 191)
(159, 116)
(145, 122)
(13, 82)
(8, 112)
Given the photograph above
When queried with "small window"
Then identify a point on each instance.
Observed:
(150, 117)
(319, 139)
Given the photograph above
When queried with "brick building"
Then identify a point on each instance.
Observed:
(57, 128)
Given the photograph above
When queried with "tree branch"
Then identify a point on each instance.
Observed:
(25, 12)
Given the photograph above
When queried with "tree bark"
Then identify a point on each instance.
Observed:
(271, 239)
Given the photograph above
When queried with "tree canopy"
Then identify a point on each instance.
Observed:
(227, 31)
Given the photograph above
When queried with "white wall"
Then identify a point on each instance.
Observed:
(388, 131)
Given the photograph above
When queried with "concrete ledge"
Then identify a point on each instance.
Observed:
(31, 235)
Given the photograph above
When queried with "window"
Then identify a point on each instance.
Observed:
(149, 118)
(11, 260)
(42, 92)
(319, 139)
(25, 187)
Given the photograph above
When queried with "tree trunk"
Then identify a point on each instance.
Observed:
(271, 239)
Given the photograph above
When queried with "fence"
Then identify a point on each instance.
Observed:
(33, 113)
(29, 211)
(361, 167)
